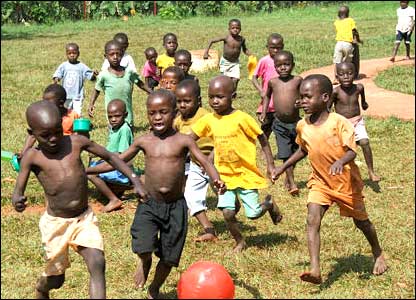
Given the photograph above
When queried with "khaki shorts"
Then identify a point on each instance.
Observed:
(60, 233)
(343, 52)
(360, 132)
(230, 69)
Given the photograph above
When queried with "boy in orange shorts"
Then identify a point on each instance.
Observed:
(328, 140)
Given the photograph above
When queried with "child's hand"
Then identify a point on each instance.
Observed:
(336, 168)
(262, 117)
(278, 171)
(220, 185)
(143, 194)
(19, 203)
(95, 72)
(91, 111)
(273, 175)
(364, 105)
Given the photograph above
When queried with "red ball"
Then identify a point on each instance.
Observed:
(206, 280)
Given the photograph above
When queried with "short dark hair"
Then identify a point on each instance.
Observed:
(285, 53)
(111, 43)
(150, 49)
(275, 36)
(349, 64)
(178, 71)
(71, 45)
(234, 21)
(121, 36)
(183, 52)
(57, 90)
(169, 34)
(192, 84)
(119, 101)
(163, 93)
(324, 83)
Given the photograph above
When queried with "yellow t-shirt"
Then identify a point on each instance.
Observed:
(343, 28)
(163, 61)
(325, 144)
(234, 138)
(184, 126)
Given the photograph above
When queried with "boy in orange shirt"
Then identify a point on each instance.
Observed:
(328, 140)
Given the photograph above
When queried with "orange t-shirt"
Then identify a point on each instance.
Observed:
(325, 144)
(68, 121)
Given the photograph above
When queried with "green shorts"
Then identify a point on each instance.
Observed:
(250, 199)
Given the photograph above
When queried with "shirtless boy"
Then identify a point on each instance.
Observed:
(285, 91)
(68, 220)
(163, 211)
(345, 99)
(233, 43)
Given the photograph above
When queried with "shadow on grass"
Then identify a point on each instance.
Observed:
(7, 36)
(356, 263)
(220, 227)
(267, 240)
(252, 290)
(373, 185)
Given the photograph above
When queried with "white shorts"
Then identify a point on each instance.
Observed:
(343, 52)
(75, 105)
(359, 128)
(196, 189)
(230, 69)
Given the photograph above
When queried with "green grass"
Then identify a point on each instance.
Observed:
(398, 78)
(269, 268)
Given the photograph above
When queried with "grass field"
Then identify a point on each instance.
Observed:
(269, 268)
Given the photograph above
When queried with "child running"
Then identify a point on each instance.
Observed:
(183, 60)
(188, 101)
(170, 43)
(160, 223)
(150, 71)
(233, 43)
(328, 140)
(119, 139)
(116, 82)
(404, 28)
(73, 74)
(55, 94)
(68, 219)
(345, 99)
(266, 70)
(285, 90)
(234, 133)
(171, 77)
(126, 60)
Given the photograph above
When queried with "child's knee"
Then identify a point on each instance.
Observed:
(46, 283)
(364, 142)
(229, 215)
(363, 224)
(145, 257)
(96, 263)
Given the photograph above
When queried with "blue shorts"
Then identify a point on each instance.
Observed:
(111, 176)
(403, 36)
(250, 199)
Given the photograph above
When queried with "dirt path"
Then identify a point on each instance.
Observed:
(382, 103)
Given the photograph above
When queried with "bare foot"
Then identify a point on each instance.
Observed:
(380, 265)
(374, 177)
(274, 211)
(152, 293)
(407, 57)
(392, 59)
(41, 295)
(139, 277)
(240, 247)
(112, 205)
(206, 237)
(309, 277)
(294, 191)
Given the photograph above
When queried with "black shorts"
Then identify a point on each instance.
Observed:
(266, 126)
(160, 227)
(285, 138)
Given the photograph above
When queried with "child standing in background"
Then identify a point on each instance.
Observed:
(266, 70)
(126, 59)
(116, 82)
(170, 43)
(404, 28)
(183, 60)
(73, 73)
(150, 71)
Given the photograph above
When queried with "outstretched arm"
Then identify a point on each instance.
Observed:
(257, 85)
(338, 165)
(29, 142)
(293, 159)
(210, 44)
(265, 146)
(144, 87)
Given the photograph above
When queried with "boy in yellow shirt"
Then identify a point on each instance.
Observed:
(170, 43)
(234, 133)
(328, 140)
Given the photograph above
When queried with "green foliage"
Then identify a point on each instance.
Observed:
(398, 78)
(170, 12)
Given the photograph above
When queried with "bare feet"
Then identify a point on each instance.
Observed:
(112, 205)
(407, 57)
(139, 277)
(274, 211)
(41, 295)
(294, 191)
(152, 293)
(374, 177)
(380, 265)
(209, 235)
(392, 59)
(240, 247)
(310, 277)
